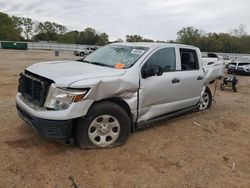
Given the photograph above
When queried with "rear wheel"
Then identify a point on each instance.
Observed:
(106, 125)
(82, 54)
(206, 100)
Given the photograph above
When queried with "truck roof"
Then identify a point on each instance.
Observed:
(151, 44)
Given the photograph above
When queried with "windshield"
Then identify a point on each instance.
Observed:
(116, 56)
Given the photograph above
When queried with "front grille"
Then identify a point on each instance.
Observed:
(34, 88)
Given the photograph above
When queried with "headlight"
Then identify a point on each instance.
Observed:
(60, 99)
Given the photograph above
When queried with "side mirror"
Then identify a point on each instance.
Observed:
(148, 71)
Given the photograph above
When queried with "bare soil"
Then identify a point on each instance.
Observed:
(201, 149)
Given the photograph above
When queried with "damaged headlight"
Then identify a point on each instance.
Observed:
(60, 99)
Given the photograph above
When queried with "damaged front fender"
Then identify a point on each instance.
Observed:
(124, 87)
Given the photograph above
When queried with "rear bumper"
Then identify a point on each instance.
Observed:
(59, 130)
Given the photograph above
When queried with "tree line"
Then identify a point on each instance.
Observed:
(236, 41)
(25, 29)
(15, 28)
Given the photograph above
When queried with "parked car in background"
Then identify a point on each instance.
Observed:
(241, 66)
(119, 88)
(84, 51)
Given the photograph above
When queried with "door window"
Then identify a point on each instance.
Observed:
(189, 59)
(164, 58)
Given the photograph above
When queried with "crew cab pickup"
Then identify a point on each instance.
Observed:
(100, 99)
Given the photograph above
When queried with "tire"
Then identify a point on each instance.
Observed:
(82, 54)
(206, 100)
(222, 87)
(106, 125)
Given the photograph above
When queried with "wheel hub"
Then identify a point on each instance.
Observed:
(204, 101)
(104, 130)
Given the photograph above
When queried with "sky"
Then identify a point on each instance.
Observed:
(154, 19)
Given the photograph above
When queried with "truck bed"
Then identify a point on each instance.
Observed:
(213, 68)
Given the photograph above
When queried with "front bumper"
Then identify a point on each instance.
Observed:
(54, 129)
(75, 110)
(52, 124)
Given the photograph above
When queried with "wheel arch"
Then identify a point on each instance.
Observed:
(119, 101)
(123, 104)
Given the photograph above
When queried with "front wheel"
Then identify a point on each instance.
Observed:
(206, 100)
(106, 125)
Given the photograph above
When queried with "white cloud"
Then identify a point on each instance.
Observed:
(158, 19)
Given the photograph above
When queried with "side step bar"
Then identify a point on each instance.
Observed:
(171, 115)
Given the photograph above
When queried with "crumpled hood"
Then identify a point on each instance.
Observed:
(63, 73)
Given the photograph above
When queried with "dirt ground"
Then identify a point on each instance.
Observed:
(201, 149)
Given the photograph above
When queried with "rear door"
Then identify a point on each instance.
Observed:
(191, 75)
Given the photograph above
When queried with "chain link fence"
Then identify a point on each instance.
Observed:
(73, 47)
(52, 46)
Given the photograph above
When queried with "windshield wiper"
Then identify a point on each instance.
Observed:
(83, 60)
(101, 64)
(95, 63)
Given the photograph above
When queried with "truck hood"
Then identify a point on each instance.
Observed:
(63, 73)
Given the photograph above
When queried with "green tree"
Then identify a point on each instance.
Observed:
(103, 39)
(27, 27)
(134, 38)
(49, 31)
(24, 26)
(18, 23)
(137, 38)
(8, 30)
(70, 37)
(46, 27)
(60, 29)
(188, 35)
(88, 36)
(91, 36)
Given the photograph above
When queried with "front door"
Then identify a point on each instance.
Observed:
(175, 89)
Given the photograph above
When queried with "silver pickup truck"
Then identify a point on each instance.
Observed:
(117, 89)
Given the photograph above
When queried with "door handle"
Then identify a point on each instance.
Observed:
(199, 78)
(175, 80)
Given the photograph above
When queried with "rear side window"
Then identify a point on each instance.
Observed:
(164, 58)
(189, 59)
